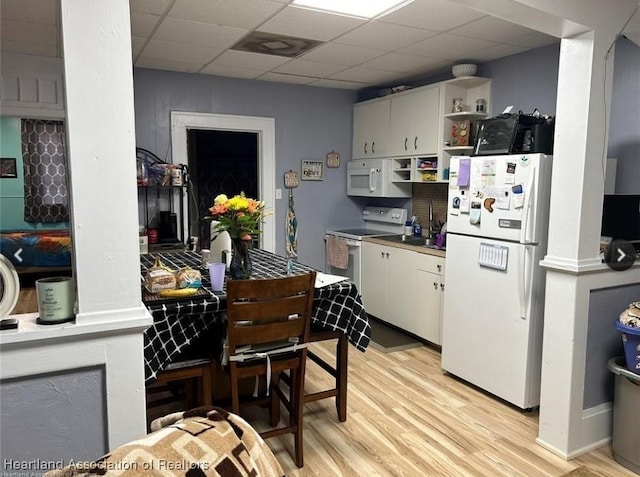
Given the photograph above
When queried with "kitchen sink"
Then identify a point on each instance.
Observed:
(409, 240)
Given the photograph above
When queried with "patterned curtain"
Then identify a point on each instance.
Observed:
(45, 177)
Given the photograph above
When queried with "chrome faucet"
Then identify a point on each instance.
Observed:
(430, 225)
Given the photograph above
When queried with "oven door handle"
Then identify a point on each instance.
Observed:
(350, 242)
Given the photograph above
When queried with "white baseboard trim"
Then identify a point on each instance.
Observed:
(597, 425)
(596, 431)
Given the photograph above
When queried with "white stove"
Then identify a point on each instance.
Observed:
(379, 221)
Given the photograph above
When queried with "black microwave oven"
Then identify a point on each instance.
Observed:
(514, 134)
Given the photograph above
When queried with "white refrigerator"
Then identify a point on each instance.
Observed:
(497, 222)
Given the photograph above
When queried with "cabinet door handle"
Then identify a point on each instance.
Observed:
(373, 147)
(439, 268)
(415, 143)
(435, 285)
(381, 254)
(365, 147)
(442, 286)
(387, 254)
(405, 143)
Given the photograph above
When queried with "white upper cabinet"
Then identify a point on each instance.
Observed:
(371, 129)
(421, 129)
(415, 119)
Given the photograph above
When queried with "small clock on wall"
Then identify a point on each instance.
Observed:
(291, 179)
(333, 159)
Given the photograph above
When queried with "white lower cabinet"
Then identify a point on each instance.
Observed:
(404, 288)
(430, 289)
(388, 276)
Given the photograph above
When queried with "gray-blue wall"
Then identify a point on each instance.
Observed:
(309, 123)
(52, 418)
(624, 128)
(604, 341)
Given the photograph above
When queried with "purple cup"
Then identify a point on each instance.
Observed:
(216, 273)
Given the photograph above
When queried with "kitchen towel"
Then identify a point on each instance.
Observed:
(337, 252)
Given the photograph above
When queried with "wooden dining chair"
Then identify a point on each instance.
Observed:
(268, 324)
(189, 377)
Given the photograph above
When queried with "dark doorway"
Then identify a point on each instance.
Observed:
(220, 162)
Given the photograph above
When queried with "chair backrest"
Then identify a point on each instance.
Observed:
(262, 312)
(220, 242)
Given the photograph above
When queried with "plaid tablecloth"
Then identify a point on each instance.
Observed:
(177, 322)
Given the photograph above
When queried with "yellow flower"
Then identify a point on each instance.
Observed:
(239, 215)
(220, 199)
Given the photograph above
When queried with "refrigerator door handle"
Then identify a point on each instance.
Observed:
(526, 210)
(524, 280)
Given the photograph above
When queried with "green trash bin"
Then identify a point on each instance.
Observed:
(626, 415)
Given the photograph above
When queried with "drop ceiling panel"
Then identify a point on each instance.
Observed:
(283, 78)
(492, 29)
(198, 34)
(384, 36)
(399, 62)
(364, 75)
(136, 45)
(181, 52)
(231, 71)
(346, 55)
(143, 24)
(421, 39)
(330, 83)
(305, 23)
(499, 51)
(170, 65)
(445, 46)
(308, 68)
(247, 14)
(245, 59)
(156, 7)
(438, 15)
(534, 40)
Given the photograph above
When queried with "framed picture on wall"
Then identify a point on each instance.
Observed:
(312, 170)
(8, 169)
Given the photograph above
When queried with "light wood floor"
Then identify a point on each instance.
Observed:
(27, 302)
(407, 418)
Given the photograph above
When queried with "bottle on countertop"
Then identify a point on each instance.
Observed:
(417, 228)
(408, 228)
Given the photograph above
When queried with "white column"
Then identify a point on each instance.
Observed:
(104, 203)
(102, 162)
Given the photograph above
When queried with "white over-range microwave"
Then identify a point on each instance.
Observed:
(372, 178)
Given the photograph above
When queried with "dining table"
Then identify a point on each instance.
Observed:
(338, 313)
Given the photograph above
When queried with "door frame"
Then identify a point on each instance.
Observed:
(265, 129)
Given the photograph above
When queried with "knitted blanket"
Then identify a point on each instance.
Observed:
(202, 442)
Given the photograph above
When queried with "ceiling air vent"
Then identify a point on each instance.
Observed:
(279, 45)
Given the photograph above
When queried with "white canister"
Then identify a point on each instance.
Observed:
(56, 298)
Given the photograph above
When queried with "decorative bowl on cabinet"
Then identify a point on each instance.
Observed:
(465, 69)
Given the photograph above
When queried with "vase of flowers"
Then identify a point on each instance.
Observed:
(241, 217)
(240, 266)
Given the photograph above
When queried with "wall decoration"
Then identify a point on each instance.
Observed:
(290, 179)
(312, 170)
(8, 168)
(333, 159)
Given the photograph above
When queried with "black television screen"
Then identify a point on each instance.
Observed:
(621, 218)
